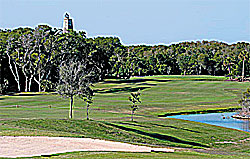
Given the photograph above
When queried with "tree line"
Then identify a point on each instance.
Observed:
(31, 58)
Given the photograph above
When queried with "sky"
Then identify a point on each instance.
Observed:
(137, 21)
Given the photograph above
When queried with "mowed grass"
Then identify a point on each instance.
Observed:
(190, 136)
(126, 155)
(110, 114)
(160, 95)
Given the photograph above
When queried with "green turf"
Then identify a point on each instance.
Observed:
(160, 94)
(161, 132)
(125, 155)
(110, 115)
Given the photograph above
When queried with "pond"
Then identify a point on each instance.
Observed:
(218, 119)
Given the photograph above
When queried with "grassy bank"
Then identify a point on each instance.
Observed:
(46, 115)
(161, 132)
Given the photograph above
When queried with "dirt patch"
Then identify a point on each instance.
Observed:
(39, 146)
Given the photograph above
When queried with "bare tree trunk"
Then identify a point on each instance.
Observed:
(39, 79)
(26, 84)
(200, 70)
(229, 70)
(30, 80)
(26, 78)
(1, 78)
(46, 80)
(15, 74)
(71, 107)
(243, 70)
(39, 69)
(36, 80)
(87, 111)
(132, 115)
(29, 87)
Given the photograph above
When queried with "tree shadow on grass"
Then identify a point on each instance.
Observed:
(159, 136)
(124, 89)
(28, 94)
(134, 124)
(148, 84)
(135, 81)
(31, 94)
(176, 128)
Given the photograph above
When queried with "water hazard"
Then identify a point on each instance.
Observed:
(218, 119)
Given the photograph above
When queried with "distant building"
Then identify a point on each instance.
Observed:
(67, 23)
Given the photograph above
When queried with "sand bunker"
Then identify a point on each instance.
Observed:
(37, 146)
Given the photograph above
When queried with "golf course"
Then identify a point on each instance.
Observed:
(46, 114)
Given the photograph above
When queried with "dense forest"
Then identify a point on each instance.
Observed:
(31, 58)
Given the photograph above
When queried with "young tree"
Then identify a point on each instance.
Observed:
(245, 103)
(134, 99)
(73, 81)
(88, 98)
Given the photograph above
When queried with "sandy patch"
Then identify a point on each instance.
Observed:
(37, 146)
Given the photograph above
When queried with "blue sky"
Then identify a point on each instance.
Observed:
(138, 21)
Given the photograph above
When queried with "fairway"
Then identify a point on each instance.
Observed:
(46, 114)
(160, 95)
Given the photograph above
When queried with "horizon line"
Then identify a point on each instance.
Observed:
(132, 44)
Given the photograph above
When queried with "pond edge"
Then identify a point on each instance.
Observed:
(220, 110)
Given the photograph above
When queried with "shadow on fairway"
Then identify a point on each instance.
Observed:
(26, 94)
(32, 94)
(124, 89)
(134, 125)
(173, 127)
(159, 136)
(148, 84)
(135, 81)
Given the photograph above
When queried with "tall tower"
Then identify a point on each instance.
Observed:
(67, 23)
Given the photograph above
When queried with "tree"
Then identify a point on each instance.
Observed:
(45, 44)
(74, 81)
(109, 55)
(88, 98)
(228, 61)
(134, 99)
(244, 102)
(243, 56)
(183, 61)
(3, 84)
(20, 49)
